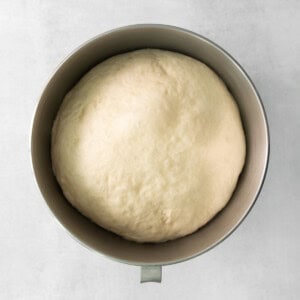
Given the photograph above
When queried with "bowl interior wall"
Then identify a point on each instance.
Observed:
(168, 38)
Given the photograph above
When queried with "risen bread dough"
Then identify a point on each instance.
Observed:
(149, 144)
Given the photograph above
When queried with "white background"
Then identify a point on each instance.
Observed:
(39, 260)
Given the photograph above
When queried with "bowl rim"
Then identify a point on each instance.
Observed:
(237, 65)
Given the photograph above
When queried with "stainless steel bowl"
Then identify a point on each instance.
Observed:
(152, 256)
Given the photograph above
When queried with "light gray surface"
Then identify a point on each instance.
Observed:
(39, 260)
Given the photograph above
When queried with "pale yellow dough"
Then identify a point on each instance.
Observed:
(149, 144)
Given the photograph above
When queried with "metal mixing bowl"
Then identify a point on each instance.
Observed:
(152, 256)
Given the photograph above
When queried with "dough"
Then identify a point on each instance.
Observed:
(149, 145)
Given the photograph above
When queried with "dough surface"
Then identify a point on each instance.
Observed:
(148, 144)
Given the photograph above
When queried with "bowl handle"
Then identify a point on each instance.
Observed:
(151, 274)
